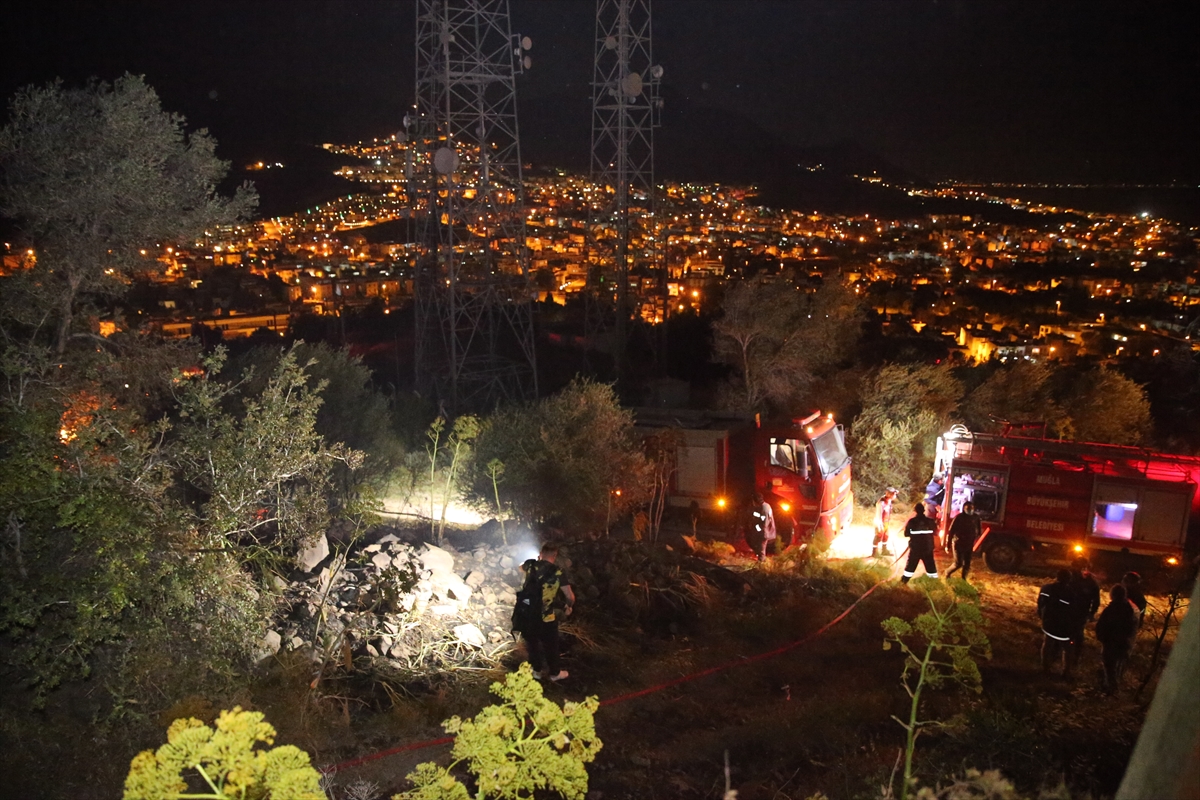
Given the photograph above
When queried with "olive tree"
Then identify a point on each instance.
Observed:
(904, 408)
(1105, 406)
(95, 174)
(779, 339)
(1020, 393)
(569, 458)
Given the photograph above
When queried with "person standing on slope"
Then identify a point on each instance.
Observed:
(764, 524)
(964, 532)
(545, 581)
(919, 531)
(883, 516)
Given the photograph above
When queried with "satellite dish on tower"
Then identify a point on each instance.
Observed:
(631, 84)
(445, 161)
(656, 71)
(526, 43)
(610, 43)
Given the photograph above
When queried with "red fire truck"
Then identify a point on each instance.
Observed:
(1053, 500)
(800, 465)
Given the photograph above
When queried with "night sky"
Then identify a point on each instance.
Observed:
(973, 90)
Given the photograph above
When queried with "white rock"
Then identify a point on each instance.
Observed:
(391, 537)
(448, 586)
(469, 634)
(401, 560)
(436, 560)
(371, 651)
(269, 645)
(296, 643)
(475, 579)
(444, 609)
(495, 636)
(308, 559)
(381, 561)
(372, 548)
(506, 562)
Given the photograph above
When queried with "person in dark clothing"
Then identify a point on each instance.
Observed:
(964, 533)
(1116, 629)
(1085, 602)
(546, 580)
(919, 531)
(1054, 609)
(1133, 588)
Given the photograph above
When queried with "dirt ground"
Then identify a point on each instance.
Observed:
(816, 717)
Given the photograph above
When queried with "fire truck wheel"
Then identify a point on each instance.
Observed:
(1002, 556)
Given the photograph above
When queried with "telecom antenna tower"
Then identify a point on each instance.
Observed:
(626, 109)
(474, 317)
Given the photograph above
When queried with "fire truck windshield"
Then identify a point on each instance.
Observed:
(831, 451)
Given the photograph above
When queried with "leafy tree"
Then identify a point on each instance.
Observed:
(261, 475)
(352, 412)
(1023, 392)
(905, 407)
(939, 646)
(563, 457)
(780, 339)
(97, 551)
(884, 457)
(94, 174)
(517, 748)
(226, 761)
(1105, 406)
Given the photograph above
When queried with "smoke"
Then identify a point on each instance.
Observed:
(524, 543)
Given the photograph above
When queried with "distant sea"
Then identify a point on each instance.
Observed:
(308, 179)
(1179, 204)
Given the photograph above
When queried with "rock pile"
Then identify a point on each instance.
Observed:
(407, 608)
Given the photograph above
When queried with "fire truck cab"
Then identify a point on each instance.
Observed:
(1054, 500)
(801, 467)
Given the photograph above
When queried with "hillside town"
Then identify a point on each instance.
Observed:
(1062, 284)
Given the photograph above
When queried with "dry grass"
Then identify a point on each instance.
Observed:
(815, 718)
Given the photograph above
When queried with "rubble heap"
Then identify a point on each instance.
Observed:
(403, 609)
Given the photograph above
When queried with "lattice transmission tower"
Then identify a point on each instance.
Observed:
(473, 297)
(626, 108)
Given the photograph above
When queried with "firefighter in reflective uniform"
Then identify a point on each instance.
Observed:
(883, 515)
(764, 526)
(919, 531)
(1054, 608)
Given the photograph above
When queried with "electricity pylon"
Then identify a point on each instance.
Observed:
(473, 297)
(625, 110)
